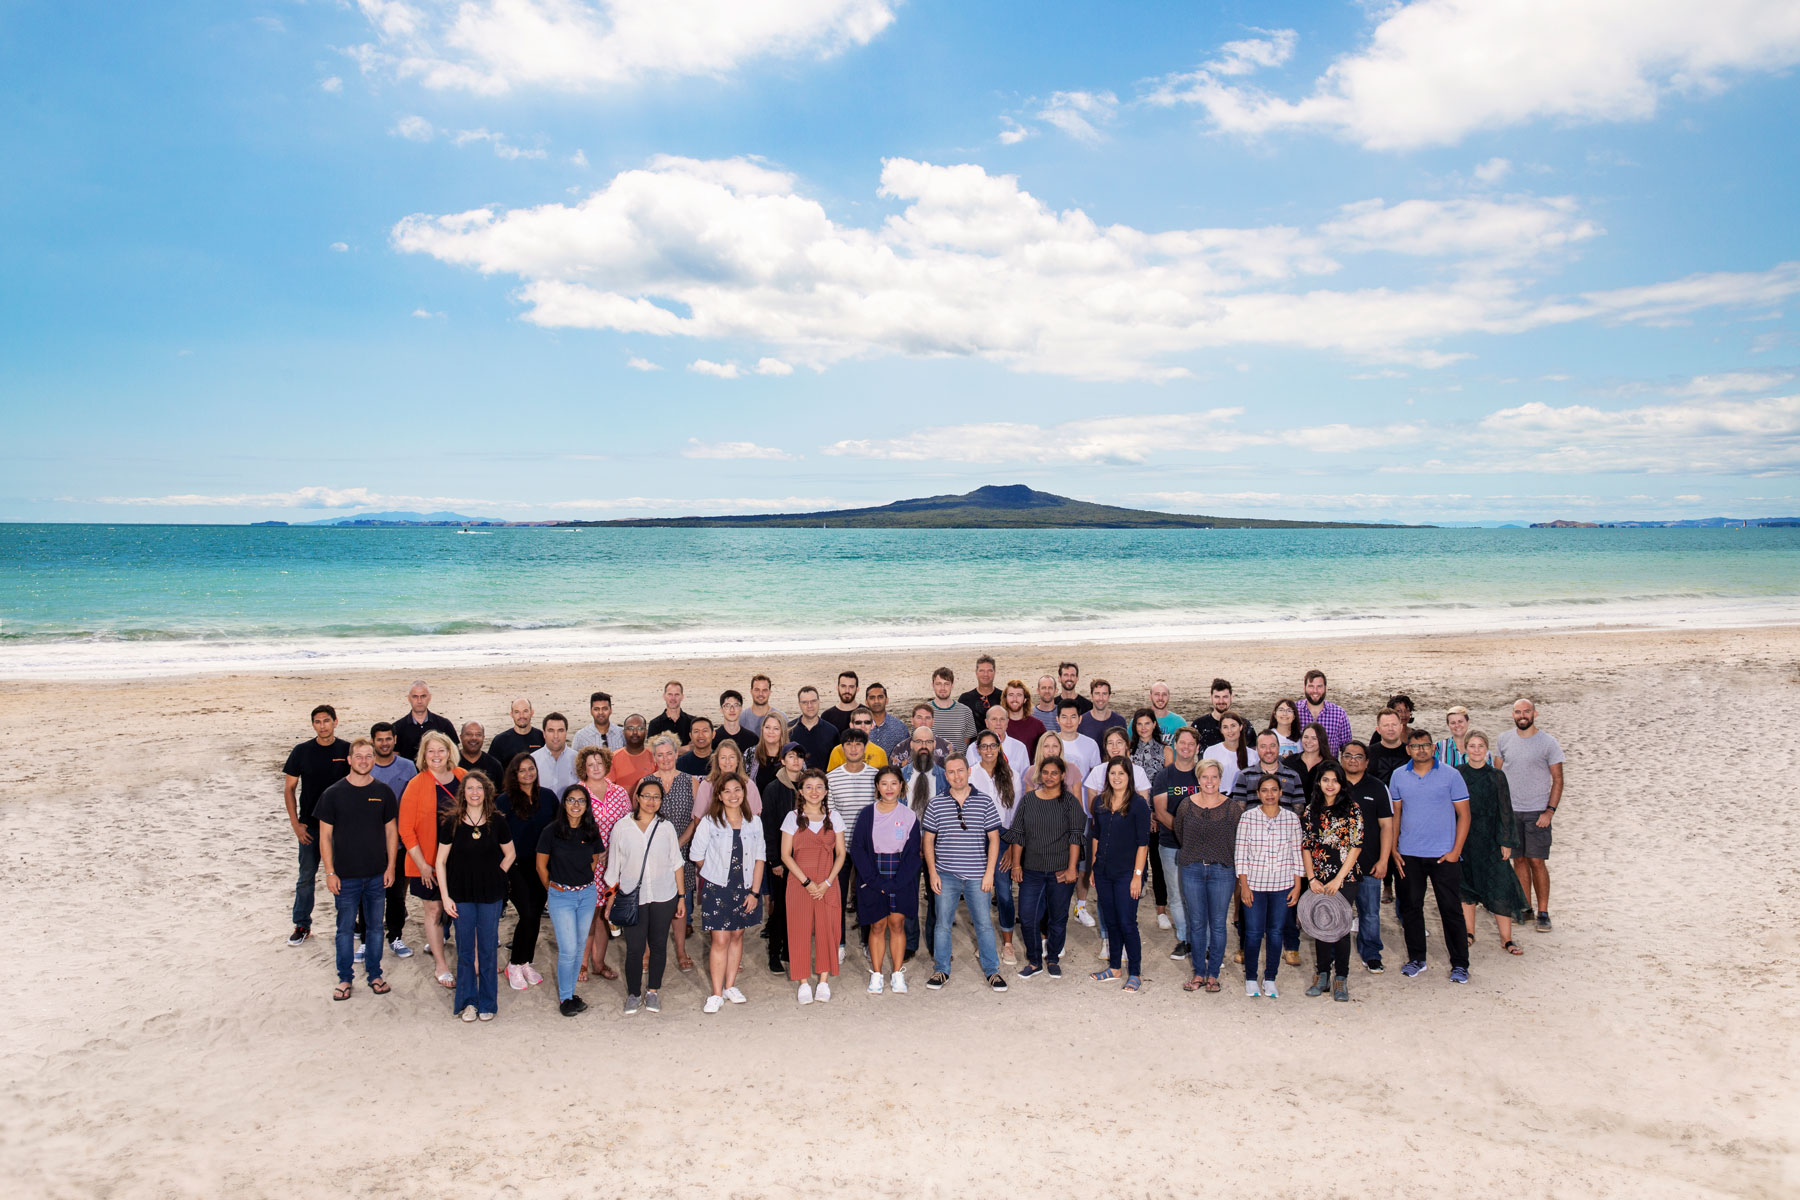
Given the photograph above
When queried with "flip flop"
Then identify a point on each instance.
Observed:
(341, 992)
(447, 981)
(1212, 985)
(1194, 984)
(379, 987)
(1511, 947)
(607, 972)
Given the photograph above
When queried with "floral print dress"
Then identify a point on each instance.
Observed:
(1333, 837)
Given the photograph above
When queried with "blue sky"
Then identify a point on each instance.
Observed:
(1450, 260)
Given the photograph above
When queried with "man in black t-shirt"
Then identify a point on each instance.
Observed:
(1387, 749)
(731, 724)
(839, 717)
(1068, 679)
(984, 695)
(1377, 849)
(311, 767)
(359, 834)
(471, 757)
(698, 759)
(817, 736)
(522, 738)
(1169, 789)
(1207, 724)
(671, 719)
(419, 720)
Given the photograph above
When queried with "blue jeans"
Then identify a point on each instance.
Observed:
(1368, 918)
(1120, 913)
(367, 897)
(1206, 890)
(478, 937)
(1177, 901)
(969, 892)
(1041, 897)
(1264, 918)
(1006, 913)
(571, 916)
(308, 879)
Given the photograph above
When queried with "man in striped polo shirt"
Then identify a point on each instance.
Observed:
(962, 846)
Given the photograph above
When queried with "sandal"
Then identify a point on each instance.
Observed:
(1212, 985)
(582, 975)
(1511, 947)
(379, 987)
(447, 981)
(342, 992)
(1132, 983)
(683, 963)
(1194, 984)
(1106, 976)
(607, 972)
(1471, 939)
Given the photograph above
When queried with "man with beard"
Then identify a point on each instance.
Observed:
(1532, 762)
(633, 762)
(602, 732)
(520, 739)
(983, 695)
(839, 714)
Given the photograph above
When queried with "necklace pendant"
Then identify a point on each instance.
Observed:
(476, 834)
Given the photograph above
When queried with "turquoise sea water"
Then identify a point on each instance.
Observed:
(147, 599)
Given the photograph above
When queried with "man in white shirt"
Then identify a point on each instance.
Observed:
(1079, 750)
(555, 759)
(1016, 755)
(602, 732)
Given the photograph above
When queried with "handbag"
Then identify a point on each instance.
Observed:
(625, 904)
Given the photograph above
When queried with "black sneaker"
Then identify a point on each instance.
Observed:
(579, 1003)
(1030, 971)
(997, 982)
(1373, 966)
(937, 981)
(299, 936)
(1543, 924)
(776, 966)
(1181, 950)
(567, 1007)
(1053, 970)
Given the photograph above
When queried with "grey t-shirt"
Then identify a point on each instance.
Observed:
(1527, 766)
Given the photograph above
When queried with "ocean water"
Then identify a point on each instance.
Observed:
(82, 601)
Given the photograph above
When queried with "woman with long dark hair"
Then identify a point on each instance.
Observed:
(993, 775)
(1284, 723)
(644, 856)
(568, 854)
(475, 851)
(610, 801)
(886, 848)
(1234, 753)
(1314, 753)
(1119, 830)
(528, 807)
(729, 851)
(1331, 846)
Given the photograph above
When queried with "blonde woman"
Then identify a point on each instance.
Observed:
(475, 851)
(726, 764)
(427, 797)
(1453, 750)
(611, 803)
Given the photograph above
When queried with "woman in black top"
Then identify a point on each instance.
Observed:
(1314, 753)
(529, 808)
(777, 781)
(475, 851)
(568, 854)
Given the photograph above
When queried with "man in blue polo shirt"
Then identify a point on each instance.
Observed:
(962, 848)
(1431, 807)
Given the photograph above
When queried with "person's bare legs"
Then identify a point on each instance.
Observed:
(434, 935)
(1469, 922)
(734, 954)
(715, 962)
(1505, 926)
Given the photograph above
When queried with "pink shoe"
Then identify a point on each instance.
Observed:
(531, 975)
(515, 977)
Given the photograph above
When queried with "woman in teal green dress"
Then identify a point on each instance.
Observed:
(1487, 872)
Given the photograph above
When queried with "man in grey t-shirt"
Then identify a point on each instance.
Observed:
(1532, 761)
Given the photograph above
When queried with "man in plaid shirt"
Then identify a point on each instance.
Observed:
(1315, 707)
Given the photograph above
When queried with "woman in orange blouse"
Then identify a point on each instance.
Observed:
(430, 793)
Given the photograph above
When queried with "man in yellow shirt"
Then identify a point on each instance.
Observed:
(861, 717)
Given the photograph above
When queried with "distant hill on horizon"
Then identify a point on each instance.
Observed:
(406, 518)
(1695, 523)
(1012, 506)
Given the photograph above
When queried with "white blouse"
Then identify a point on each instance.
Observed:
(661, 877)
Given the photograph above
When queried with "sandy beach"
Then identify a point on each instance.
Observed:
(165, 1042)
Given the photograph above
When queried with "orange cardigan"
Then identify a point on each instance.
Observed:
(419, 819)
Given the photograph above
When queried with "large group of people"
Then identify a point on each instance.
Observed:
(1027, 806)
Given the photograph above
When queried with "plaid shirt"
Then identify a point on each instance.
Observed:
(1268, 849)
(1332, 717)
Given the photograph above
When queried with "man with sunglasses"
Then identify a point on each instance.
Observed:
(962, 848)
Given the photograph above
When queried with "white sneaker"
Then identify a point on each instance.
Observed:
(358, 956)
(1251, 990)
(1103, 948)
(842, 950)
(805, 992)
(400, 948)
(714, 1003)
(733, 995)
(822, 993)
(875, 983)
(531, 975)
(1269, 989)
(468, 1014)
(1163, 922)
(1082, 914)
(897, 982)
(515, 977)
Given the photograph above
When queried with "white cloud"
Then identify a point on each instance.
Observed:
(1493, 170)
(1012, 133)
(425, 314)
(649, 505)
(305, 497)
(414, 129)
(578, 159)
(1434, 71)
(724, 370)
(331, 84)
(492, 46)
(773, 366)
(735, 450)
(340, 247)
(1715, 437)
(502, 147)
(974, 266)
(1727, 383)
(1079, 114)
(1243, 57)
(641, 364)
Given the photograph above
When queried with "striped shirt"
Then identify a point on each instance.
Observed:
(958, 851)
(1268, 849)
(849, 792)
(954, 722)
